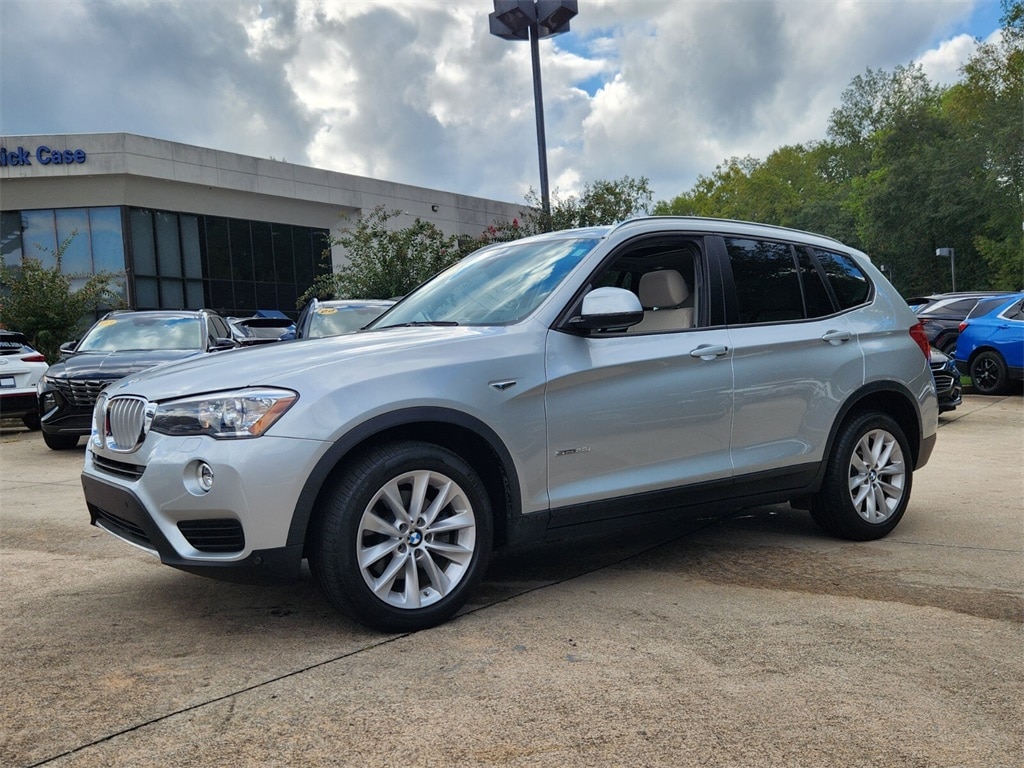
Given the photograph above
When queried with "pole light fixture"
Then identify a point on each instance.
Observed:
(532, 20)
(951, 253)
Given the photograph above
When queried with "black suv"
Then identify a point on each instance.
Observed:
(119, 344)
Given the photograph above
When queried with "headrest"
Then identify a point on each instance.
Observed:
(664, 288)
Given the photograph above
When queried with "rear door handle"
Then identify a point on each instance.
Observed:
(835, 338)
(709, 351)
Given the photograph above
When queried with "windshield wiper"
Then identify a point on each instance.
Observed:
(421, 323)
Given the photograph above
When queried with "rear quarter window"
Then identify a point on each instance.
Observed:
(849, 283)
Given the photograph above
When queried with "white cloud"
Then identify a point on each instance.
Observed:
(417, 91)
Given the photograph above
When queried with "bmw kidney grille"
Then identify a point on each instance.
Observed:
(121, 423)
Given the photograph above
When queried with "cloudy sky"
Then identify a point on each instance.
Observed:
(419, 92)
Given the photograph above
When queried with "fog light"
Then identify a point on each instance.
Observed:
(197, 477)
(204, 476)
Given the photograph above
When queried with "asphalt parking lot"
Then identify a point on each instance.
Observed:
(756, 641)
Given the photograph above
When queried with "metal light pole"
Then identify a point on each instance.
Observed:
(532, 20)
(951, 253)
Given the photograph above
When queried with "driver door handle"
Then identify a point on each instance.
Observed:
(710, 351)
(836, 338)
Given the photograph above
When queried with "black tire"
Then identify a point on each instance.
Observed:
(31, 421)
(442, 552)
(988, 373)
(60, 442)
(867, 480)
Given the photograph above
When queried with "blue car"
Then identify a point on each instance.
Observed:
(990, 348)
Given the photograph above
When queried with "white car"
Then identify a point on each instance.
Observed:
(592, 378)
(20, 368)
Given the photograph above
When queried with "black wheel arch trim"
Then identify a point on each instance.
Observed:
(406, 417)
(920, 446)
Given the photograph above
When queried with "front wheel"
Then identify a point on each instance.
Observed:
(31, 421)
(404, 537)
(988, 373)
(867, 480)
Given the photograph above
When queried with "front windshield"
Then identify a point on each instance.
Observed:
(497, 285)
(334, 321)
(143, 332)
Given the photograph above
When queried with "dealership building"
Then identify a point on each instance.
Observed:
(186, 227)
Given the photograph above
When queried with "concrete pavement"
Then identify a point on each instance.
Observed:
(753, 642)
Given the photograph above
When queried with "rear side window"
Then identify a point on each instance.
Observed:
(960, 307)
(985, 306)
(849, 284)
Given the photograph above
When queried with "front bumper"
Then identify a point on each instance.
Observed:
(58, 415)
(238, 530)
(119, 512)
(948, 388)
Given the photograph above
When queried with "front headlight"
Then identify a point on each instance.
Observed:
(236, 414)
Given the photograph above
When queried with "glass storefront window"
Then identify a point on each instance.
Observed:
(218, 249)
(177, 260)
(190, 250)
(39, 236)
(107, 240)
(168, 245)
(73, 231)
(143, 243)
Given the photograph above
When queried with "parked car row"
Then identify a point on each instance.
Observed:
(942, 313)
(59, 398)
(992, 353)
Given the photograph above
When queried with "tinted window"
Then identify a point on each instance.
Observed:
(767, 281)
(819, 304)
(849, 283)
(985, 306)
(961, 307)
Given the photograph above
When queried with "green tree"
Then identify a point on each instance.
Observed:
(793, 187)
(42, 303)
(384, 261)
(598, 203)
(985, 110)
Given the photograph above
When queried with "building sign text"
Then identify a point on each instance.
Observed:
(43, 155)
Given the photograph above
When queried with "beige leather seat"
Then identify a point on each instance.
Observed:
(662, 294)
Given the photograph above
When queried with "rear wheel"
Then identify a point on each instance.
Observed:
(60, 442)
(404, 537)
(988, 373)
(867, 480)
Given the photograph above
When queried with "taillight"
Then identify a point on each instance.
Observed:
(917, 333)
(962, 326)
(34, 358)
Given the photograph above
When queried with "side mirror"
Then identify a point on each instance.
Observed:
(68, 347)
(220, 345)
(608, 308)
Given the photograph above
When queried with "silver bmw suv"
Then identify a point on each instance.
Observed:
(573, 380)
